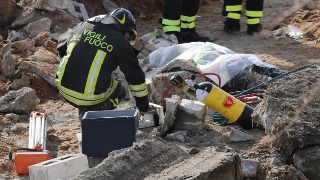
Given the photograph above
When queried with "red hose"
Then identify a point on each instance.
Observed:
(198, 75)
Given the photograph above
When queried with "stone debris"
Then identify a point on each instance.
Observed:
(170, 116)
(7, 11)
(14, 117)
(137, 162)
(45, 71)
(237, 136)
(177, 136)
(206, 165)
(250, 168)
(26, 16)
(15, 36)
(34, 28)
(24, 81)
(9, 64)
(190, 116)
(109, 6)
(280, 105)
(307, 161)
(45, 56)
(24, 100)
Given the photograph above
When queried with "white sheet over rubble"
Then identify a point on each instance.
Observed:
(209, 57)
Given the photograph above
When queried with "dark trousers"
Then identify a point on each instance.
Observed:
(173, 9)
(109, 104)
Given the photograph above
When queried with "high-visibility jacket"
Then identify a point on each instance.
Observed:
(179, 14)
(91, 51)
(254, 10)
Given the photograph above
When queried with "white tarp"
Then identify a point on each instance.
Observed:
(209, 57)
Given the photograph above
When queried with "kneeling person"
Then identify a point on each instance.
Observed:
(91, 51)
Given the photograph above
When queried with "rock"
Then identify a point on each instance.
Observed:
(237, 136)
(177, 136)
(26, 16)
(161, 82)
(109, 6)
(190, 116)
(77, 10)
(1, 39)
(7, 11)
(181, 65)
(206, 165)
(282, 103)
(41, 38)
(8, 65)
(170, 116)
(51, 46)
(34, 28)
(19, 47)
(13, 117)
(24, 81)
(43, 70)
(195, 108)
(250, 168)
(285, 172)
(6, 48)
(15, 36)
(194, 151)
(24, 100)
(48, 5)
(137, 162)
(307, 160)
(45, 56)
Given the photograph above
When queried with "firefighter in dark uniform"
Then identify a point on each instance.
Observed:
(254, 11)
(91, 51)
(179, 19)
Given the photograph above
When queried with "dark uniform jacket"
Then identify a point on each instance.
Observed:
(91, 51)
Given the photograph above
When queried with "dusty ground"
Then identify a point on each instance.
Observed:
(285, 53)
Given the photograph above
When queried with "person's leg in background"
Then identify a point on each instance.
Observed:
(233, 8)
(188, 17)
(254, 11)
(171, 18)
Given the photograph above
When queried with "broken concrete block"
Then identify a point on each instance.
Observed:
(196, 108)
(190, 116)
(250, 168)
(48, 5)
(280, 106)
(137, 162)
(24, 100)
(7, 11)
(77, 10)
(109, 6)
(34, 28)
(63, 167)
(177, 136)
(24, 81)
(45, 56)
(43, 70)
(307, 160)
(6, 48)
(9, 64)
(236, 135)
(170, 115)
(26, 16)
(161, 82)
(205, 165)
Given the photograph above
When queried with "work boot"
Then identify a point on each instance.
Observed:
(255, 28)
(231, 25)
(191, 35)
